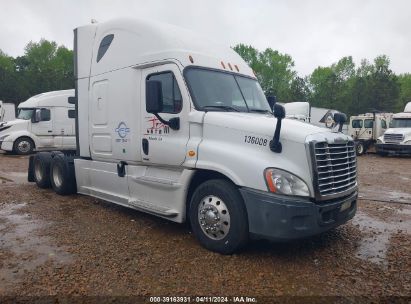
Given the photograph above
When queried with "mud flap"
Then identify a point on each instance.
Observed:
(30, 173)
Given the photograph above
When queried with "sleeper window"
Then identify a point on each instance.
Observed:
(172, 101)
(104, 45)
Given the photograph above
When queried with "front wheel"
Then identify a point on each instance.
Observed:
(360, 148)
(218, 216)
(23, 146)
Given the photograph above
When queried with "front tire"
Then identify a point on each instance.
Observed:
(23, 146)
(218, 216)
(62, 176)
(360, 148)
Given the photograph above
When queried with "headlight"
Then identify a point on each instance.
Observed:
(282, 182)
(379, 141)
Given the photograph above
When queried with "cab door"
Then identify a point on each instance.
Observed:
(161, 144)
(43, 127)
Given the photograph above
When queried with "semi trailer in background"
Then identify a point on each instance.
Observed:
(42, 124)
(172, 124)
(7, 111)
(397, 139)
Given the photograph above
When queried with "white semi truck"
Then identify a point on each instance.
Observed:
(174, 125)
(397, 138)
(42, 124)
(7, 111)
(365, 129)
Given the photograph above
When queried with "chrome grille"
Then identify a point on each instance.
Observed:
(335, 167)
(393, 138)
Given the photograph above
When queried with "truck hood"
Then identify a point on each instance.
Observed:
(263, 124)
(403, 131)
(17, 122)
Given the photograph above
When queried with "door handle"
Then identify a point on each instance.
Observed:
(145, 146)
(49, 131)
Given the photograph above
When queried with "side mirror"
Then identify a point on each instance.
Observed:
(154, 97)
(340, 119)
(36, 116)
(271, 101)
(275, 144)
(279, 111)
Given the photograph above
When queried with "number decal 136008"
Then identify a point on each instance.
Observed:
(255, 140)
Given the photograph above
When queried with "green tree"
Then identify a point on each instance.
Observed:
(275, 71)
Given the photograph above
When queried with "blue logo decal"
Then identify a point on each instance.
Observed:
(122, 130)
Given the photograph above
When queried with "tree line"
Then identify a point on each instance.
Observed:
(44, 67)
(343, 86)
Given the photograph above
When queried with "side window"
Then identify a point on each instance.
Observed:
(104, 45)
(383, 124)
(368, 123)
(172, 100)
(356, 123)
(45, 115)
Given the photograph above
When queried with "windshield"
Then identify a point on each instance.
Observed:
(25, 114)
(401, 123)
(213, 90)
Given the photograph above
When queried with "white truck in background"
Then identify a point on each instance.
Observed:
(365, 129)
(174, 125)
(320, 117)
(7, 111)
(42, 124)
(397, 139)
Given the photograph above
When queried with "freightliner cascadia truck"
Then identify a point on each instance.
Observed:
(172, 124)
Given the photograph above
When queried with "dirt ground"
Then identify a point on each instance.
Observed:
(78, 245)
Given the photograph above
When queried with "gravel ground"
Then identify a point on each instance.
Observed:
(77, 245)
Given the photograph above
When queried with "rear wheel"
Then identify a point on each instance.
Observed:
(41, 164)
(62, 175)
(218, 216)
(23, 146)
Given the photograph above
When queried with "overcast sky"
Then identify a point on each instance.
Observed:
(314, 32)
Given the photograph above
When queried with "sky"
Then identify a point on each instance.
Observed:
(313, 32)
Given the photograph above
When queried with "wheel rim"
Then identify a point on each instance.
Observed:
(38, 172)
(24, 146)
(57, 178)
(214, 217)
(360, 148)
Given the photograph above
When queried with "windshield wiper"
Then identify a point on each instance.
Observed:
(260, 111)
(227, 108)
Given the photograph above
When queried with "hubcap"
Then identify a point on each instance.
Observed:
(360, 148)
(37, 171)
(24, 146)
(57, 178)
(214, 217)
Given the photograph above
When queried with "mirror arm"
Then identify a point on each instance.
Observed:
(173, 123)
(275, 144)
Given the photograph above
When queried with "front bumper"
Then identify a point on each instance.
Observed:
(6, 145)
(278, 217)
(393, 148)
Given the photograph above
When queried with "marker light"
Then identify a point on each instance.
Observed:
(229, 65)
(191, 59)
(223, 65)
(236, 67)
